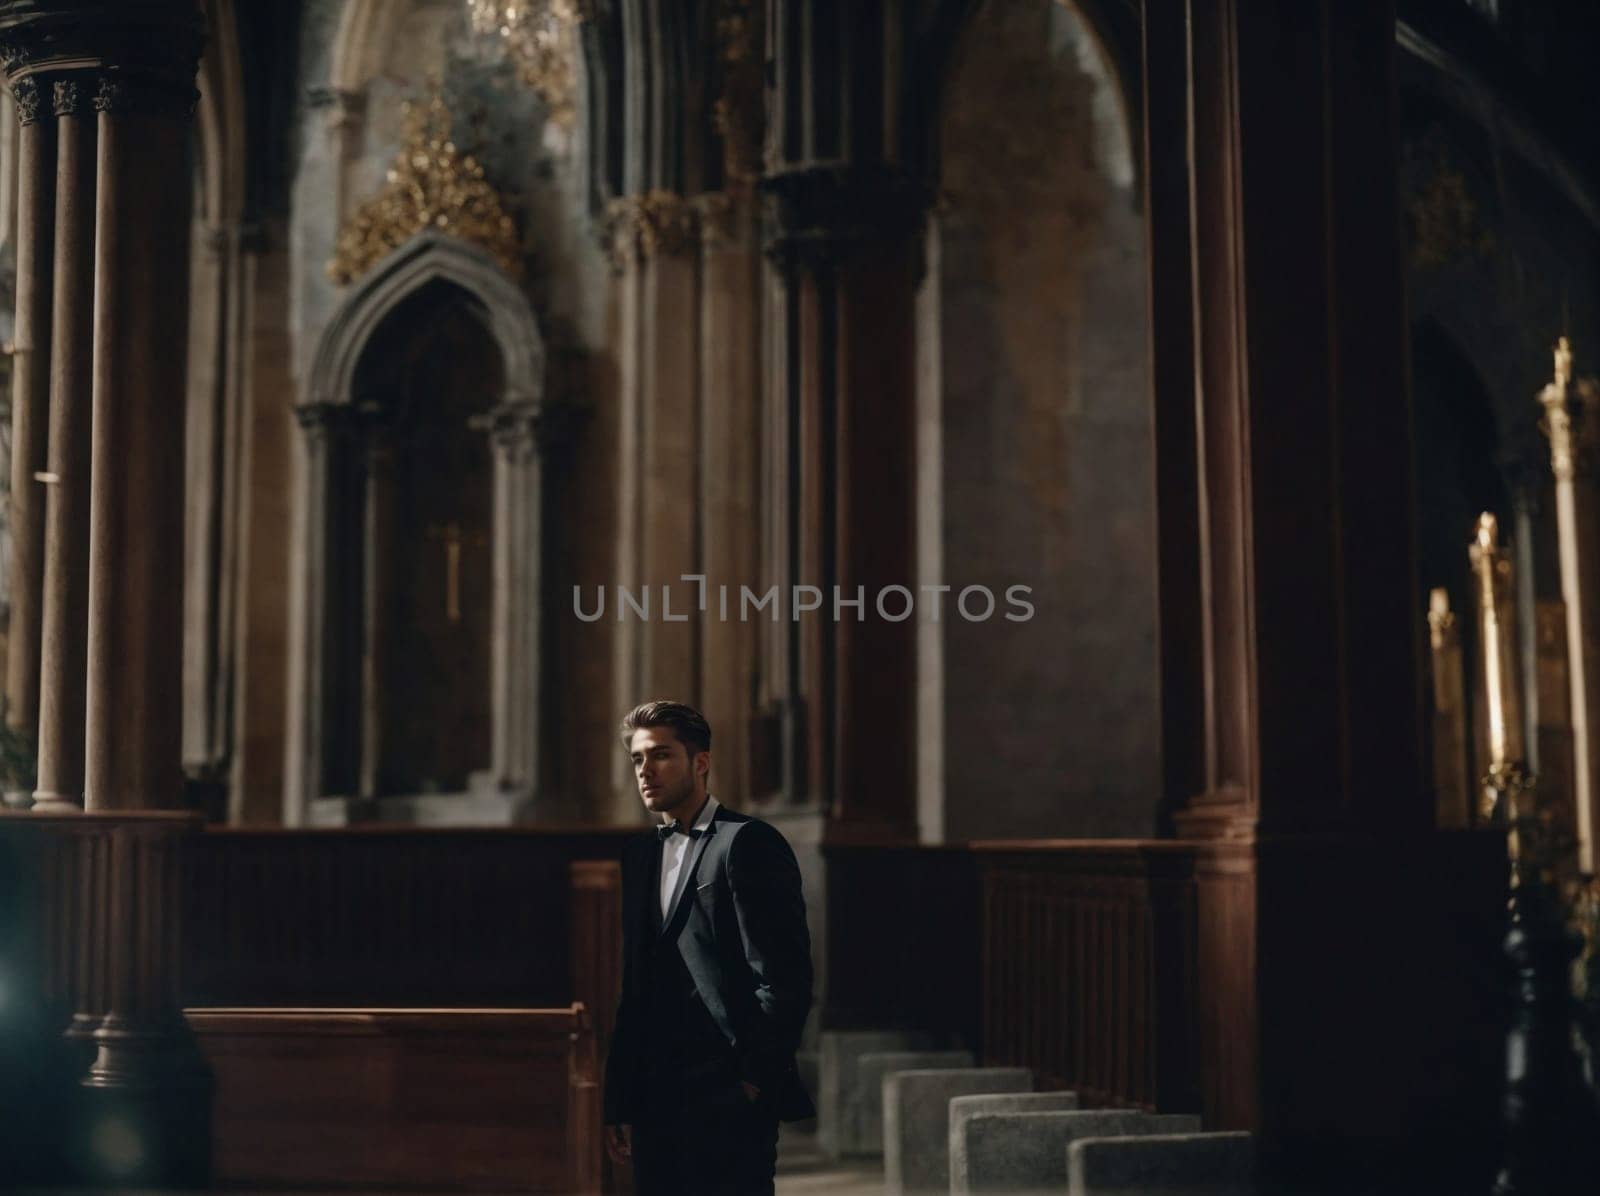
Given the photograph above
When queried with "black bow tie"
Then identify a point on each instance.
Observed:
(667, 829)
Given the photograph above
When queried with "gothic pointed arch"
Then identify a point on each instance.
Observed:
(332, 696)
(431, 257)
(365, 29)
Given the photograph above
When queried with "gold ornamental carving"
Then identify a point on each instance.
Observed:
(1446, 227)
(638, 227)
(719, 216)
(739, 111)
(1441, 620)
(1571, 418)
(431, 184)
(541, 37)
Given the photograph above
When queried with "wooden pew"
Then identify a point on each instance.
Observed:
(502, 1100)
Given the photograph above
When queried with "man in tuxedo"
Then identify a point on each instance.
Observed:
(716, 979)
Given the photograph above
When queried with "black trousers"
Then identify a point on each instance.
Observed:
(698, 1134)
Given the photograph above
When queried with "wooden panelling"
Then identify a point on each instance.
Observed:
(89, 932)
(1089, 969)
(385, 917)
(1225, 1004)
(597, 942)
(1077, 959)
(501, 1100)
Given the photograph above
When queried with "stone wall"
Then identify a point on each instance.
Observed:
(1037, 371)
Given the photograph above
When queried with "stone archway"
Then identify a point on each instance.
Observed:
(330, 423)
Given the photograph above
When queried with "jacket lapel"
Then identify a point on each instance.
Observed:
(697, 848)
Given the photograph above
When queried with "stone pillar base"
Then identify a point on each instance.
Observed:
(145, 1109)
(53, 803)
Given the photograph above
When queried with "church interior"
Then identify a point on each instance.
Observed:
(1121, 479)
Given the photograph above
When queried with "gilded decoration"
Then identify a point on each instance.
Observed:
(432, 184)
(718, 215)
(737, 115)
(541, 36)
(641, 226)
(1441, 620)
(1571, 417)
(1445, 225)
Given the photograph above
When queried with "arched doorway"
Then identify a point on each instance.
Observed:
(425, 383)
(414, 667)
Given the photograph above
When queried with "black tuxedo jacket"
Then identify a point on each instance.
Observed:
(739, 923)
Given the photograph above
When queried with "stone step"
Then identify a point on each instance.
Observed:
(1026, 1152)
(807, 1063)
(965, 1108)
(1163, 1165)
(870, 1073)
(838, 1092)
(916, 1120)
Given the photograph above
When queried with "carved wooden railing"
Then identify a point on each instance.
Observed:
(1089, 966)
(1073, 959)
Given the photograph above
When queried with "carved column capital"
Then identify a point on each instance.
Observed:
(25, 92)
(1443, 630)
(71, 96)
(324, 419)
(216, 240)
(14, 57)
(739, 112)
(718, 214)
(152, 46)
(1572, 424)
(346, 108)
(520, 428)
(816, 215)
(124, 95)
(638, 227)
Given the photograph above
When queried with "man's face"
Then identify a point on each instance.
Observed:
(669, 779)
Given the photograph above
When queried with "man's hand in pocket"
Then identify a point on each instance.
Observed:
(619, 1143)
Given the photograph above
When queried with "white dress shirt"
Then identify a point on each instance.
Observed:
(675, 849)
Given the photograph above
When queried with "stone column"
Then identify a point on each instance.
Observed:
(1305, 719)
(377, 543)
(8, 288)
(522, 431)
(852, 242)
(654, 238)
(210, 504)
(669, 464)
(777, 742)
(623, 249)
(8, 176)
(848, 170)
(66, 566)
(346, 126)
(730, 330)
(30, 396)
(147, 1072)
(135, 702)
(320, 424)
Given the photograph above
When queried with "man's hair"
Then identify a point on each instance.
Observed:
(687, 723)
